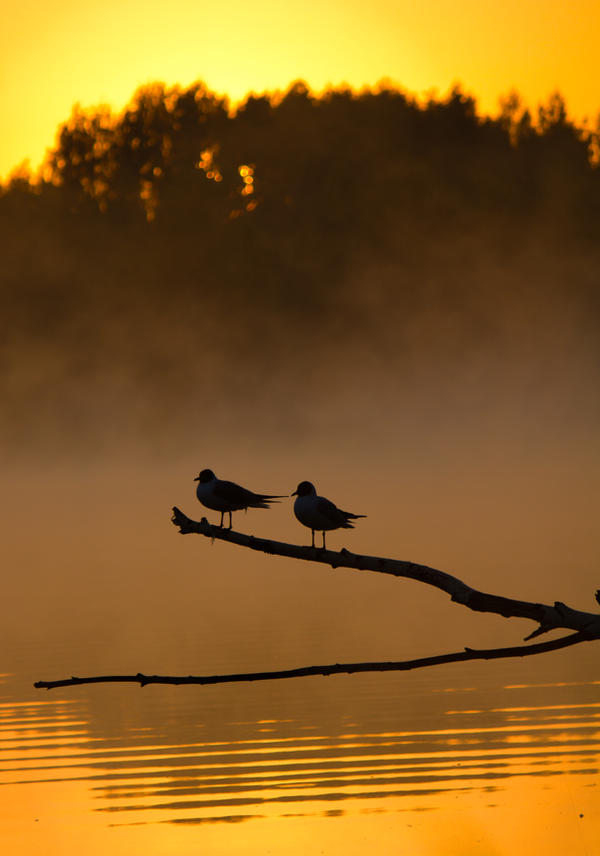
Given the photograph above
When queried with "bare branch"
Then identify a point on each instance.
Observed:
(548, 617)
(336, 669)
(586, 625)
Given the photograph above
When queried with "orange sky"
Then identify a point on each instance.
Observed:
(54, 55)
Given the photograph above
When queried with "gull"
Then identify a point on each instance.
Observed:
(226, 496)
(319, 513)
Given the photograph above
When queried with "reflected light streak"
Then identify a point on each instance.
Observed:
(223, 767)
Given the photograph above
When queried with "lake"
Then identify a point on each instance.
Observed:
(483, 759)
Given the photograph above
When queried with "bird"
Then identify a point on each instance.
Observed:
(226, 496)
(319, 513)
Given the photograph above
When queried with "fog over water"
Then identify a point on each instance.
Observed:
(464, 424)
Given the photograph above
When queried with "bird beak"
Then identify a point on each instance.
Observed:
(197, 478)
(295, 493)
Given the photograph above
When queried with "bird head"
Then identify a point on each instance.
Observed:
(205, 476)
(304, 489)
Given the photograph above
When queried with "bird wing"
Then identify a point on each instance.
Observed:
(234, 494)
(329, 510)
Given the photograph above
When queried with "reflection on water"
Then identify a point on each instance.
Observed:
(169, 760)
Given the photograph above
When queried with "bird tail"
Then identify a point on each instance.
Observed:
(350, 516)
(264, 500)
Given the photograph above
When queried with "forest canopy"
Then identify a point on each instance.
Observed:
(177, 147)
(333, 216)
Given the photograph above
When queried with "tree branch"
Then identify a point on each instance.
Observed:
(586, 625)
(335, 669)
(548, 617)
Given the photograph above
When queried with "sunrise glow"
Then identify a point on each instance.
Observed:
(67, 53)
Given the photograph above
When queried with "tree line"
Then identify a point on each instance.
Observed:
(269, 223)
(314, 172)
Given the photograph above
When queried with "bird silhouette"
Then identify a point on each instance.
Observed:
(318, 513)
(226, 496)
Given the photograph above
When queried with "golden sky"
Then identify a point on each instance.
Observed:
(54, 55)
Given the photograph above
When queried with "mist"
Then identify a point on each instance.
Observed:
(408, 318)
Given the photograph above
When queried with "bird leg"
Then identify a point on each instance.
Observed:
(312, 532)
(221, 523)
(230, 520)
(324, 547)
